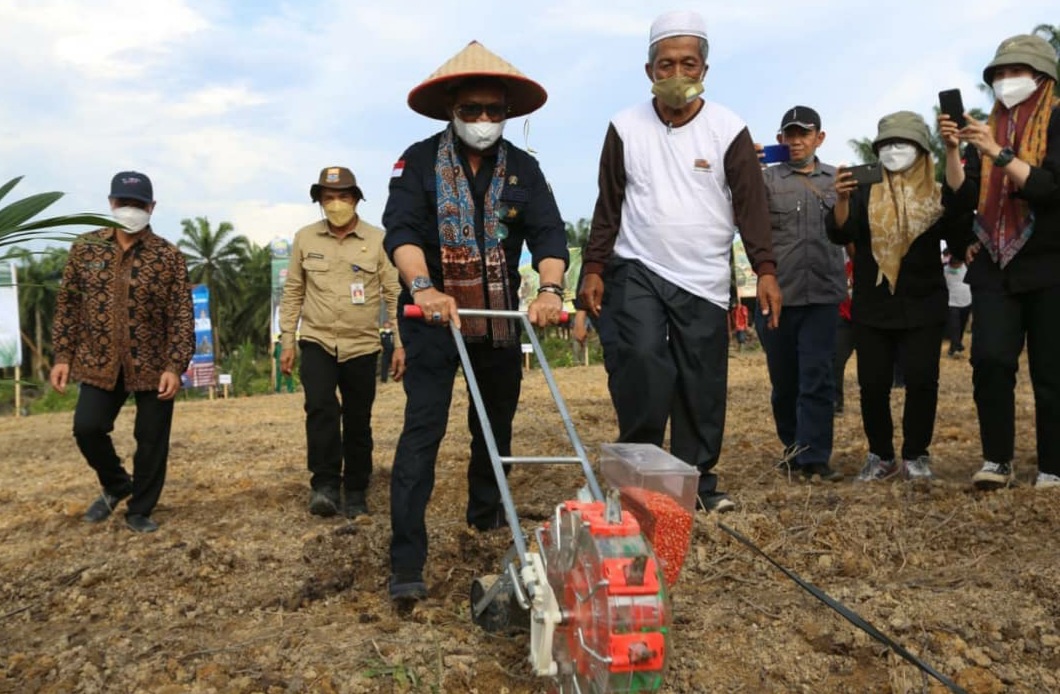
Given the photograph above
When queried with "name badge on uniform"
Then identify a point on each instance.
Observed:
(357, 292)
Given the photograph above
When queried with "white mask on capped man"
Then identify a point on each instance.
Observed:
(132, 218)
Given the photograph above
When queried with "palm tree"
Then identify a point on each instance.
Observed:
(578, 233)
(38, 285)
(1051, 34)
(16, 225)
(247, 309)
(213, 259)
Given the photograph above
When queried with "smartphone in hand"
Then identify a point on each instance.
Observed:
(951, 104)
(866, 173)
(774, 154)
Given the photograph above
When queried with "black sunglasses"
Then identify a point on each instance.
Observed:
(470, 112)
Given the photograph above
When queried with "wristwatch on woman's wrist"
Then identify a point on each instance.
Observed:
(419, 284)
(1004, 157)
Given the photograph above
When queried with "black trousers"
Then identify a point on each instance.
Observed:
(387, 359)
(671, 364)
(956, 324)
(844, 347)
(917, 353)
(1000, 323)
(337, 432)
(94, 417)
(432, 361)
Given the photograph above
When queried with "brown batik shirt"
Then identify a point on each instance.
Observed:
(125, 312)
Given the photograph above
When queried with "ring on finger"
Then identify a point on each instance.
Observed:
(436, 317)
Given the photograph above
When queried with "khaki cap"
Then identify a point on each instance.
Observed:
(903, 125)
(335, 178)
(1024, 49)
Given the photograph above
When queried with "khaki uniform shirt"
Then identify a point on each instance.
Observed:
(327, 280)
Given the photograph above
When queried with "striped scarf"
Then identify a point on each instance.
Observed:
(1004, 223)
(462, 261)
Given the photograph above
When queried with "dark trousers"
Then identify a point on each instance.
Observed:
(956, 324)
(388, 358)
(94, 417)
(844, 347)
(429, 376)
(917, 352)
(800, 355)
(1000, 322)
(671, 363)
(327, 444)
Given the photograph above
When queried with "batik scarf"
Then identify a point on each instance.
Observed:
(1003, 222)
(901, 208)
(462, 261)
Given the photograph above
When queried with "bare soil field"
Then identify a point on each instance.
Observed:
(242, 590)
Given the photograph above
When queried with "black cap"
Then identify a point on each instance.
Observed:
(133, 185)
(802, 116)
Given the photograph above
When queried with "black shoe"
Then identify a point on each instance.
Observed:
(822, 470)
(786, 465)
(407, 586)
(323, 503)
(102, 507)
(838, 409)
(140, 524)
(715, 501)
(354, 504)
(484, 522)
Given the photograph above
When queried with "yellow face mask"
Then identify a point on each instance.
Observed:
(339, 212)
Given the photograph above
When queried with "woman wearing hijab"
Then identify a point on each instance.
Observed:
(1011, 178)
(899, 302)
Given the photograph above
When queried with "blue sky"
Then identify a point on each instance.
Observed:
(232, 108)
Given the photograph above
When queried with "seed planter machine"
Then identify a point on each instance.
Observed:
(592, 583)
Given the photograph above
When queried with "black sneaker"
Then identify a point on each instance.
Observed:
(993, 476)
(323, 503)
(102, 507)
(822, 470)
(407, 586)
(715, 501)
(354, 504)
(140, 524)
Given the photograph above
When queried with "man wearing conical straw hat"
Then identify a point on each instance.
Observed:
(678, 176)
(461, 204)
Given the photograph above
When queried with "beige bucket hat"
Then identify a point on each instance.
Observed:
(431, 97)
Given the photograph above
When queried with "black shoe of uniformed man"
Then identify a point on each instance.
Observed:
(324, 503)
(140, 524)
(102, 507)
(355, 504)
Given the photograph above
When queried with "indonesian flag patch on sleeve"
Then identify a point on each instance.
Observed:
(399, 168)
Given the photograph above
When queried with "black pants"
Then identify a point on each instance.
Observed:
(1000, 322)
(844, 347)
(956, 324)
(917, 352)
(671, 363)
(432, 361)
(388, 358)
(327, 444)
(800, 355)
(94, 417)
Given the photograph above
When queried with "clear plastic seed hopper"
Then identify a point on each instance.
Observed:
(593, 582)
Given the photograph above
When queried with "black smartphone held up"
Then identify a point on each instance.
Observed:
(774, 154)
(867, 173)
(952, 105)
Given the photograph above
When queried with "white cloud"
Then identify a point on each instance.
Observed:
(217, 100)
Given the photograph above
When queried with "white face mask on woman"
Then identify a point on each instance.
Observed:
(132, 218)
(898, 156)
(1013, 91)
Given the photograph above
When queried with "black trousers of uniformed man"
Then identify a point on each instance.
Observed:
(432, 361)
(94, 417)
(671, 364)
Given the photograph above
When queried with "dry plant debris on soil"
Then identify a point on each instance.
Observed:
(242, 591)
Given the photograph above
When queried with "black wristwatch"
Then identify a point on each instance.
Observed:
(419, 284)
(1004, 157)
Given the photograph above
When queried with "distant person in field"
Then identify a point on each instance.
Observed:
(960, 304)
(386, 338)
(337, 279)
(1010, 176)
(678, 174)
(124, 324)
(899, 300)
(462, 202)
(800, 353)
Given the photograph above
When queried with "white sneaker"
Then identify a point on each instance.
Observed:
(876, 469)
(919, 469)
(994, 476)
(1047, 480)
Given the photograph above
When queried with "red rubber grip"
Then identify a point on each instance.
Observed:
(415, 312)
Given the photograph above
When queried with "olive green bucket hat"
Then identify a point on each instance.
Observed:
(903, 125)
(1023, 49)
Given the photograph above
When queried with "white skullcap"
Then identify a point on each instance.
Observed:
(678, 23)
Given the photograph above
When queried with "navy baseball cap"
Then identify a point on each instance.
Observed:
(132, 184)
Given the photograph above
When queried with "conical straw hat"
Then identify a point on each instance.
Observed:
(431, 97)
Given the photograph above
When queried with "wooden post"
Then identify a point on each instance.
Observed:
(18, 390)
(225, 387)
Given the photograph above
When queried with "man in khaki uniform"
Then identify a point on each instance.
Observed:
(337, 278)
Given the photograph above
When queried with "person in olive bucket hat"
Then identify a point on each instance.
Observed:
(337, 281)
(900, 301)
(1011, 178)
(461, 204)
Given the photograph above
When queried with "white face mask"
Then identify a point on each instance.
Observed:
(1013, 91)
(479, 135)
(898, 156)
(132, 218)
